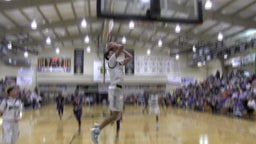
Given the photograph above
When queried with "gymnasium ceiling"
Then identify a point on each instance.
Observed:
(60, 19)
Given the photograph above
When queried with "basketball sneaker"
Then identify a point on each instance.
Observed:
(96, 125)
(94, 135)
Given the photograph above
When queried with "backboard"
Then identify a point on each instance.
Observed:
(176, 11)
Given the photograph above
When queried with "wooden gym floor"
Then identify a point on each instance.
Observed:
(176, 126)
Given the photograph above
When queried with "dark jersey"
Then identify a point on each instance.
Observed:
(77, 103)
(59, 101)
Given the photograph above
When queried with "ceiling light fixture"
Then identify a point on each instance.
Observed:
(148, 52)
(86, 39)
(83, 23)
(57, 50)
(177, 28)
(88, 49)
(48, 40)
(145, 1)
(220, 36)
(177, 57)
(33, 24)
(160, 43)
(194, 48)
(208, 5)
(131, 25)
(25, 54)
(123, 40)
(9, 45)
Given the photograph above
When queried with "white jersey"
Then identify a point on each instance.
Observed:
(115, 70)
(154, 101)
(11, 108)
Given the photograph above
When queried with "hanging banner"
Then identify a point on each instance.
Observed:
(54, 64)
(79, 61)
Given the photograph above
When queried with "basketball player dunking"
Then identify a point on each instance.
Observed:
(115, 93)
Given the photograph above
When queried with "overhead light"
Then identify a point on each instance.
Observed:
(88, 49)
(48, 40)
(25, 54)
(57, 50)
(208, 5)
(123, 40)
(177, 57)
(7, 0)
(160, 43)
(145, 1)
(10, 60)
(148, 52)
(220, 36)
(177, 28)
(9, 45)
(131, 25)
(33, 24)
(86, 39)
(83, 23)
(225, 56)
(194, 48)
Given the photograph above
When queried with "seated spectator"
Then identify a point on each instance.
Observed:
(251, 103)
(251, 106)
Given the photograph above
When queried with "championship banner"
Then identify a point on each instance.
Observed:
(79, 61)
(129, 67)
(54, 64)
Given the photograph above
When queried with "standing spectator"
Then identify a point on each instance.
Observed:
(34, 98)
(11, 109)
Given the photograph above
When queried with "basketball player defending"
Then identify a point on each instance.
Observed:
(115, 93)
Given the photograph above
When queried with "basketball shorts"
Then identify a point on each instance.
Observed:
(10, 132)
(155, 110)
(115, 97)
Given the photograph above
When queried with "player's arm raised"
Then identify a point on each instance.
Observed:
(127, 56)
(119, 49)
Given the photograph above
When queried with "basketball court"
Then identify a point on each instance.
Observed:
(58, 46)
(176, 126)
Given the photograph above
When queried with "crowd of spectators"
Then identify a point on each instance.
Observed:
(233, 94)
